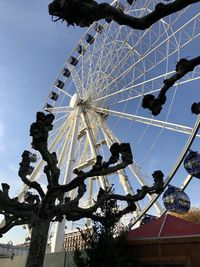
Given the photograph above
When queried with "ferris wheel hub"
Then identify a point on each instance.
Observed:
(74, 101)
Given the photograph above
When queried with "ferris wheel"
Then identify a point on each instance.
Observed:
(96, 99)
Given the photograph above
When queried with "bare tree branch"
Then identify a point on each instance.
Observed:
(99, 169)
(11, 223)
(39, 132)
(24, 170)
(195, 108)
(12, 206)
(154, 104)
(76, 212)
(84, 12)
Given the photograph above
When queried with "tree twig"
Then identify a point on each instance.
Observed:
(154, 104)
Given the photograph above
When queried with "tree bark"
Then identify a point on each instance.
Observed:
(38, 243)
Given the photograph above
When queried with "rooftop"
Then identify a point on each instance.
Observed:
(167, 226)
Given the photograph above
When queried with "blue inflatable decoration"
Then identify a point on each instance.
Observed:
(192, 164)
(176, 200)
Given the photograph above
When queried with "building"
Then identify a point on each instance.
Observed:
(9, 250)
(165, 242)
(74, 239)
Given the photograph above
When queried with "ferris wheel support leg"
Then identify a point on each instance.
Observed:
(137, 173)
(91, 143)
(90, 189)
(110, 139)
(59, 233)
(94, 154)
(62, 155)
(133, 167)
(122, 175)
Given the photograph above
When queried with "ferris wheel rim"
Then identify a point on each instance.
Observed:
(72, 53)
(82, 38)
(78, 43)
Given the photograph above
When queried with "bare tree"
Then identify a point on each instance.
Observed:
(41, 209)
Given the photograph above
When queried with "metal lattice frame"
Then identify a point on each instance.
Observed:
(105, 89)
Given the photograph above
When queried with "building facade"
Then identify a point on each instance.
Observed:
(74, 239)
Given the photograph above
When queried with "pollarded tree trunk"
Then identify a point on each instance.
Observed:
(38, 243)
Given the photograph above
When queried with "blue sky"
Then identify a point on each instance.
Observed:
(32, 52)
(33, 49)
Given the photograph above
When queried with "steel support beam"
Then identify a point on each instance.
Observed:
(59, 233)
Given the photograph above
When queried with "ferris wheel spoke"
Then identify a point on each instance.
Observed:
(60, 118)
(65, 93)
(101, 52)
(55, 131)
(106, 38)
(111, 52)
(151, 51)
(186, 182)
(92, 57)
(158, 80)
(112, 55)
(76, 79)
(137, 85)
(188, 78)
(169, 25)
(102, 76)
(115, 56)
(65, 109)
(135, 169)
(89, 61)
(148, 121)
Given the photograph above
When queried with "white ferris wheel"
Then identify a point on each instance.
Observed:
(96, 99)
